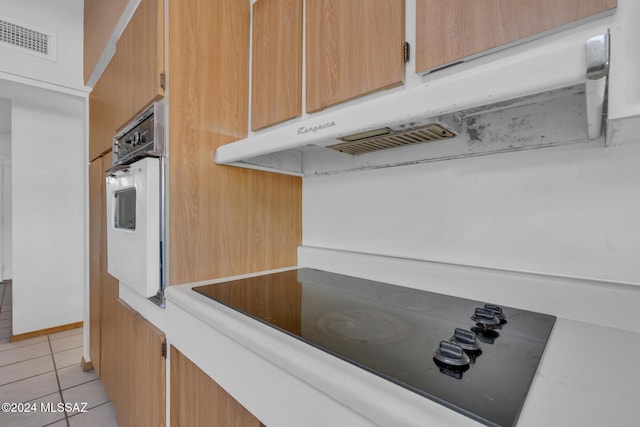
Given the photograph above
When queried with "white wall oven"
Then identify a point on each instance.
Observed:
(135, 205)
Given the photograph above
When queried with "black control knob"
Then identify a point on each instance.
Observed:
(485, 317)
(465, 339)
(136, 139)
(451, 354)
(497, 311)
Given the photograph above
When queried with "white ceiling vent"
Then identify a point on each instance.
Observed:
(27, 39)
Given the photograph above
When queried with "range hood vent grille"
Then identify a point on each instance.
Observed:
(382, 139)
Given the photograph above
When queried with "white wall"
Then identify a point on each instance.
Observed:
(65, 19)
(48, 101)
(571, 210)
(7, 225)
(49, 174)
(5, 160)
(5, 144)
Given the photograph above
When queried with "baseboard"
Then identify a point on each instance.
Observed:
(47, 331)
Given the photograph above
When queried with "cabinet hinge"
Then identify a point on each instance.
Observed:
(405, 52)
(163, 349)
(162, 80)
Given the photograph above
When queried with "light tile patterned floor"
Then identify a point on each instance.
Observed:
(43, 373)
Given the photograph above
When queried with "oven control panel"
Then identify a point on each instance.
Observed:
(142, 137)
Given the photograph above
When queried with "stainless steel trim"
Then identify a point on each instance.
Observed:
(159, 298)
(153, 148)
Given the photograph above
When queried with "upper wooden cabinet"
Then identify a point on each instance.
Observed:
(140, 57)
(276, 76)
(131, 80)
(449, 30)
(222, 221)
(100, 19)
(353, 48)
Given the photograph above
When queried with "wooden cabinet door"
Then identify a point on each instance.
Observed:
(102, 111)
(140, 52)
(97, 111)
(131, 80)
(100, 19)
(96, 251)
(276, 70)
(103, 288)
(449, 30)
(353, 48)
(134, 368)
(196, 400)
(142, 402)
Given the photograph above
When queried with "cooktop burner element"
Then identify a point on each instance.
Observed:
(363, 326)
(474, 357)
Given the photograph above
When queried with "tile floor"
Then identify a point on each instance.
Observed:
(43, 374)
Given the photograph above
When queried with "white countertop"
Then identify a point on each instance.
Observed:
(587, 376)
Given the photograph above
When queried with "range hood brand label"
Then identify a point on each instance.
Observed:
(303, 129)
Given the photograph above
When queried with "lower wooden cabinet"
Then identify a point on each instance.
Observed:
(103, 288)
(197, 401)
(133, 366)
(96, 253)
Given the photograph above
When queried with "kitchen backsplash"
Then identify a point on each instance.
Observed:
(568, 211)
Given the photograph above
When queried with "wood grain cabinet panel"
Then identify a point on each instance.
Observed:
(131, 80)
(96, 251)
(197, 400)
(100, 19)
(276, 70)
(143, 401)
(97, 111)
(223, 220)
(449, 30)
(353, 48)
(112, 339)
(140, 52)
(135, 380)
(105, 337)
(102, 111)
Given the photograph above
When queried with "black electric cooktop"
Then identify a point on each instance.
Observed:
(472, 356)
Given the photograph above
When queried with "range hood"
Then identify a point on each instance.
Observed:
(547, 92)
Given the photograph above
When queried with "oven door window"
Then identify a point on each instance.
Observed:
(125, 209)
